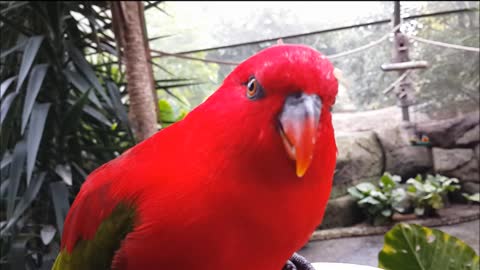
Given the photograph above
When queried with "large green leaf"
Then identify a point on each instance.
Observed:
(72, 117)
(59, 194)
(120, 110)
(86, 69)
(81, 84)
(97, 115)
(35, 133)
(5, 105)
(3, 188)
(413, 247)
(65, 172)
(16, 169)
(19, 46)
(29, 54)
(366, 187)
(5, 84)
(27, 198)
(353, 191)
(34, 83)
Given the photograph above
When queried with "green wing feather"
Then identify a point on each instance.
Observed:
(98, 252)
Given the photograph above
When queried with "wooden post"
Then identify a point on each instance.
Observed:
(404, 90)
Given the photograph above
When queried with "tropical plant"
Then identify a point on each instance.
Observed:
(63, 114)
(381, 201)
(412, 247)
(61, 117)
(430, 194)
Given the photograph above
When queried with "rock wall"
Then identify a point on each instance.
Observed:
(365, 155)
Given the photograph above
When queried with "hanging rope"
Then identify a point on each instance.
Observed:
(392, 85)
(362, 48)
(161, 54)
(446, 45)
(337, 55)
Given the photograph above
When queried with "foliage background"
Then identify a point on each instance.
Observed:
(449, 87)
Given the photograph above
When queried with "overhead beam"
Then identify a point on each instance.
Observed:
(404, 65)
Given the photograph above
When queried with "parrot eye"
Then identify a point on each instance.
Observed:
(254, 89)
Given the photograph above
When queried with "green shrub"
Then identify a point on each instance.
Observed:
(430, 194)
(380, 202)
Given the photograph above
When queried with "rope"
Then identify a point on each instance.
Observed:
(337, 55)
(446, 45)
(161, 54)
(361, 48)
(392, 85)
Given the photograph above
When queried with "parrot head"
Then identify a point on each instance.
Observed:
(283, 93)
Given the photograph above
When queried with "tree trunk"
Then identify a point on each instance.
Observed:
(130, 35)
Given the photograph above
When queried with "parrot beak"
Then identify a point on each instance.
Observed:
(298, 123)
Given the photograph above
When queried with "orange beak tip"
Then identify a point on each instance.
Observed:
(298, 130)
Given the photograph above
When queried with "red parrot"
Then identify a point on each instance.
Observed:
(240, 183)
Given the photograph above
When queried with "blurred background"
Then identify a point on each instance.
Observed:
(81, 82)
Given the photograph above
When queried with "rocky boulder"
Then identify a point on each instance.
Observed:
(459, 132)
(342, 212)
(458, 163)
(401, 158)
(360, 158)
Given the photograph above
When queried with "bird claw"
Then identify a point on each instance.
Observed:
(297, 262)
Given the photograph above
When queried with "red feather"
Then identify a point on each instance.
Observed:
(217, 190)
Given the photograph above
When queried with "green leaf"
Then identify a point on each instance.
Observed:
(118, 106)
(29, 55)
(429, 187)
(368, 200)
(474, 197)
(5, 84)
(166, 113)
(355, 193)
(174, 96)
(387, 212)
(34, 83)
(65, 172)
(413, 247)
(387, 181)
(16, 169)
(18, 47)
(79, 170)
(416, 184)
(82, 85)
(47, 233)
(27, 198)
(86, 69)
(400, 200)
(97, 115)
(6, 159)
(365, 187)
(5, 105)
(72, 117)
(378, 195)
(436, 201)
(3, 188)
(61, 205)
(35, 133)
